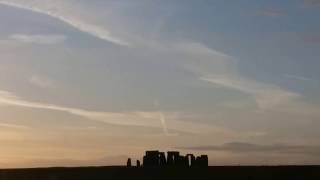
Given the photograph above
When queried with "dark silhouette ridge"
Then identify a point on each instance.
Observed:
(124, 173)
(157, 166)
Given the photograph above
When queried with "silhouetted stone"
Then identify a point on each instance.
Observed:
(191, 160)
(174, 159)
(170, 159)
(202, 161)
(151, 159)
(129, 162)
(162, 160)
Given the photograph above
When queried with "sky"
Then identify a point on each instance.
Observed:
(95, 82)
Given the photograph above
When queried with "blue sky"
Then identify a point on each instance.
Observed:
(91, 82)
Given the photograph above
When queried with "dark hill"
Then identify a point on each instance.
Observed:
(119, 173)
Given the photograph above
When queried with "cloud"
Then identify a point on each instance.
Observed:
(41, 82)
(38, 39)
(57, 10)
(239, 147)
(200, 59)
(200, 49)
(312, 2)
(296, 77)
(310, 37)
(220, 69)
(13, 126)
(130, 118)
(205, 62)
(138, 118)
(273, 12)
(56, 162)
(265, 95)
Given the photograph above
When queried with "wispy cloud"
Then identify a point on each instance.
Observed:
(239, 147)
(56, 10)
(41, 82)
(265, 95)
(69, 162)
(201, 59)
(212, 63)
(312, 2)
(310, 37)
(138, 118)
(273, 12)
(296, 77)
(38, 39)
(13, 126)
(220, 69)
(130, 118)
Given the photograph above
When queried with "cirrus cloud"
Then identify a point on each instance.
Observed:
(58, 11)
(155, 119)
(240, 147)
(41, 82)
(264, 94)
(38, 39)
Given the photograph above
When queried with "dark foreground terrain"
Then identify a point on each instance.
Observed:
(219, 173)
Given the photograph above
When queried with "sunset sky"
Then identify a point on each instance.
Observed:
(92, 82)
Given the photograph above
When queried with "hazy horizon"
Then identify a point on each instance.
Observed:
(94, 82)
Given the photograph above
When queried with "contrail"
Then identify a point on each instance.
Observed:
(91, 29)
(145, 119)
(162, 119)
(164, 124)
